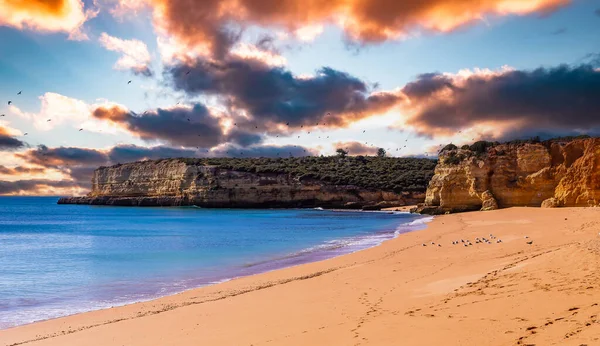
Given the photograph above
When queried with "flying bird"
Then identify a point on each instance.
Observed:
(1, 115)
(189, 119)
(19, 93)
(25, 134)
(188, 72)
(48, 120)
(80, 130)
(9, 103)
(129, 82)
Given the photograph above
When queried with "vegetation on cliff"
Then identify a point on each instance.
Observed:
(384, 173)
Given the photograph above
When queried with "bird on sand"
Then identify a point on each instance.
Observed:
(530, 242)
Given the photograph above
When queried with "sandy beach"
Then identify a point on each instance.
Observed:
(399, 293)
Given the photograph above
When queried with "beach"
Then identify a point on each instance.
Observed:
(398, 293)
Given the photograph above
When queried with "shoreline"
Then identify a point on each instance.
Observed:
(316, 253)
(399, 291)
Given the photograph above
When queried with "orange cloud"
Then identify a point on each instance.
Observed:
(46, 16)
(504, 104)
(8, 141)
(204, 27)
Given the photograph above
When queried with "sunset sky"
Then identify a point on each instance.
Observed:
(278, 77)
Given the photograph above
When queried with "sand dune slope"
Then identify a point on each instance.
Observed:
(400, 293)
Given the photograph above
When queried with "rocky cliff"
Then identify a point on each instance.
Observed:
(193, 182)
(487, 176)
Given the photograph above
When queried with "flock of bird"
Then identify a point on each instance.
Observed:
(347, 149)
(483, 240)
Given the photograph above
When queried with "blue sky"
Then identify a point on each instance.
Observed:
(39, 60)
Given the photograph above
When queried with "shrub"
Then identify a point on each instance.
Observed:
(480, 147)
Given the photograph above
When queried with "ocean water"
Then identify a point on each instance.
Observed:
(57, 260)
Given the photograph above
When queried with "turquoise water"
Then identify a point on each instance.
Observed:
(57, 260)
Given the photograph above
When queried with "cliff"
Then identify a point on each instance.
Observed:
(488, 175)
(261, 183)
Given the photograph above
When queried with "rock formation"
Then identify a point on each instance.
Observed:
(487, 176)
(179, 182)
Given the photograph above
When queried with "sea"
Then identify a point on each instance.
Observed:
(57, 260)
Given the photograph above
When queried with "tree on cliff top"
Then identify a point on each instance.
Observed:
(341, 152)
(381, 152)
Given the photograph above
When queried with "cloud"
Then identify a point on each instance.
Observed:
(60, 109)
(47, 16)
(211, 27)
(268, 56)
(63, 156)
(135, 54)
(194, 126)
(506, 103)
(38, 187)
(356, 148)
(273, 96)
(272, 151)
(131, 153)
(18, 170)
(8, 142)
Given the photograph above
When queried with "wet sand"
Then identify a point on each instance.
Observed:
(399, 293)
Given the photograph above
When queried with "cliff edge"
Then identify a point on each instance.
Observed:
(487, 176)
(328, 182)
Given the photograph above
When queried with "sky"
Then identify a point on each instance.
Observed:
(99, 82)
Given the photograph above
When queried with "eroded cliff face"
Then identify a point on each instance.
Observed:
(549, 174)
(174, 182)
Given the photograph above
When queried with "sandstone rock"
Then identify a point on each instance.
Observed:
(177, 183)
(488, 201)
(550, 203)
(523, 174)
(371, 207)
